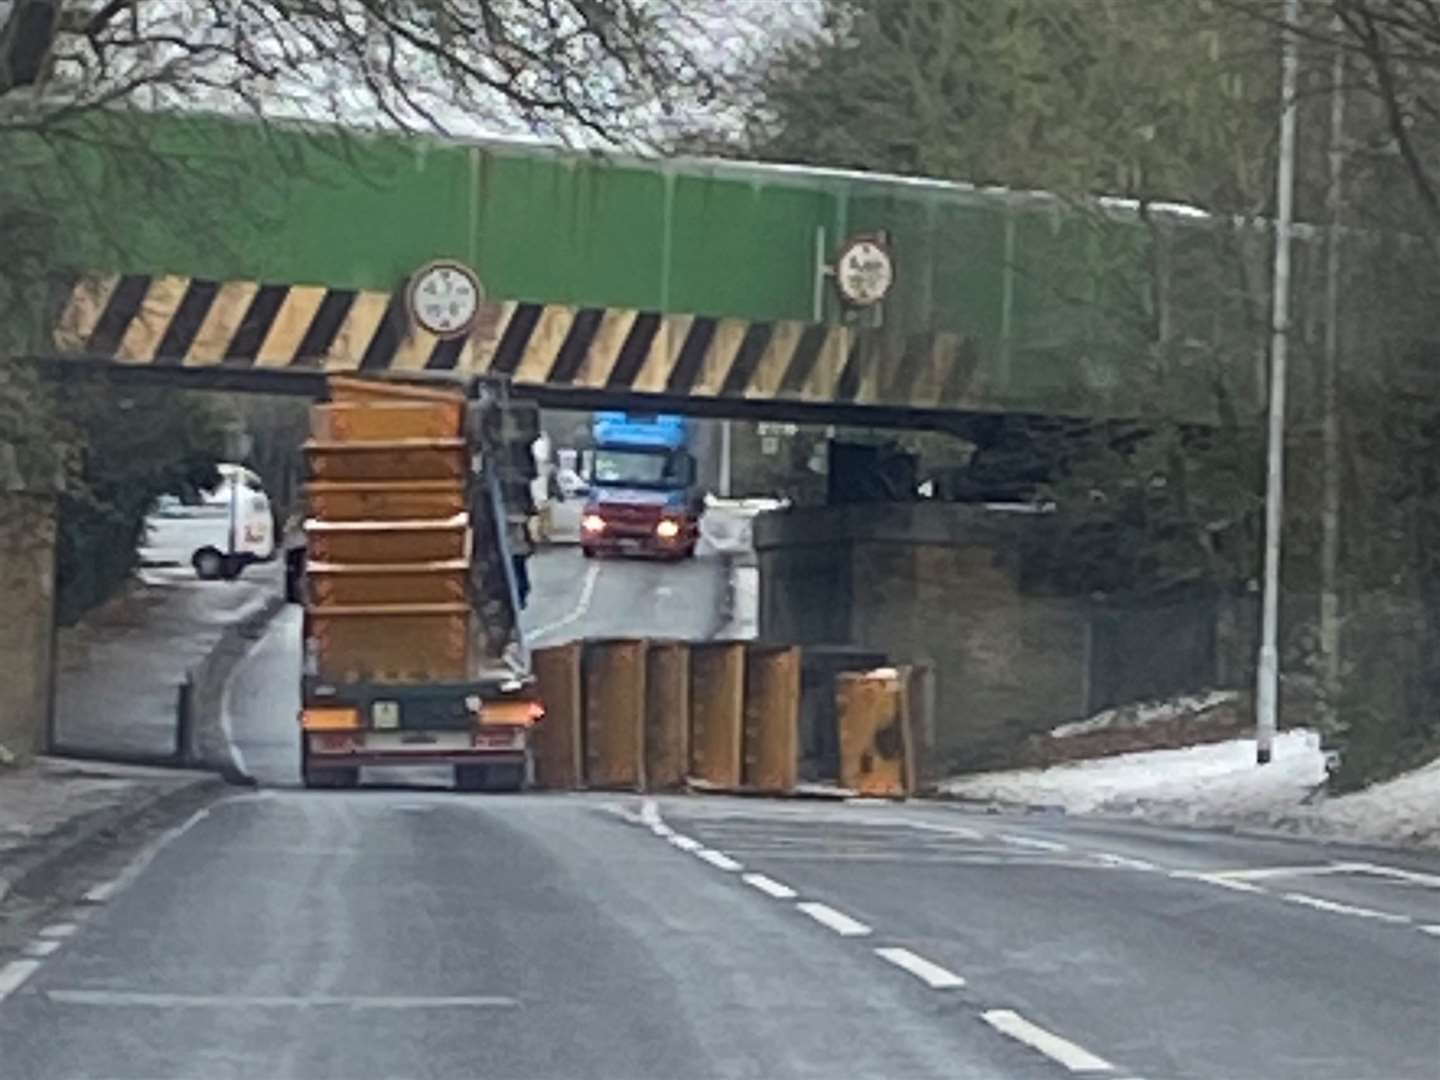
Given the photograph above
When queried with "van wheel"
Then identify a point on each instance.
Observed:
(209, 564)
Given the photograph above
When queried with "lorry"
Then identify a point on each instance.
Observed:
(641, 481)
(413, 652)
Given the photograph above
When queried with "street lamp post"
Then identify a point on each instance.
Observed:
(1267, 688)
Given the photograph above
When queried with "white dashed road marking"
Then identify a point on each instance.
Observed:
(769, 886)
(1037, 845)
(59, 930)
(40, 948)
(718, 859)
(14, 974)
(1344, 909)
(838, 921)
(932, 975)
(1075, 1058)
(1435, 930)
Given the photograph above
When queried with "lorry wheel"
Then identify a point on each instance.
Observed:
(343, 776)
(209, 564)
(588, 552)
(231, 567)
(509, 777)
(470, 777)
(337, 776)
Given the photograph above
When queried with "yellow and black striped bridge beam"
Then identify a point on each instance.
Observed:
(262, 335)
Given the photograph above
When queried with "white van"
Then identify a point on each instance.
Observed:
(229, 528)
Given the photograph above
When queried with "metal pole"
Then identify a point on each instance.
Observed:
(1267, 690)
(1330, 395)
(724, 459)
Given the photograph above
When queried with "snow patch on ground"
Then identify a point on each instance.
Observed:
(1220, 784)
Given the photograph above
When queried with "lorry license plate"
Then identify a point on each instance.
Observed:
(429, 740)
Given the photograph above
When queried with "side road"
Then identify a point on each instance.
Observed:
(52, 809)
(119, 672)
(117, 698)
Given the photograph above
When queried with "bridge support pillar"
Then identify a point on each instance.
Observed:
(27, 582)
(946, 585)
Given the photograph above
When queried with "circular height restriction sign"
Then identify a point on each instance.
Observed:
(444, 298)
(864, 271)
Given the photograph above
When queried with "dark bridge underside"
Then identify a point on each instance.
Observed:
(312, 383)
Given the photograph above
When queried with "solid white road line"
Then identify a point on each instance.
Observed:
(59, 930)
(587, 593)
(1263, 873)
(932, 975)
(1075, 1058)
(838, 921)
(1030, 842)
(1413, 877)
(105, 892)
(129, 999)
(1124, 862)
(718, 859)
(1344, 909)
(650, 813)
(1211, 879)
(684, 843)
(39, 947)
(769, 886)
(14, 974)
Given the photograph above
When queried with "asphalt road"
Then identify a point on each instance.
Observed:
(424, 934)
(573, 597)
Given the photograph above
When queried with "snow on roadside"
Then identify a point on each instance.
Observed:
(1220, 784)
(1405, 810)
(1193, 784)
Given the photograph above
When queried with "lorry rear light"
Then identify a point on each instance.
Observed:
(668, 529)
(511, 712)
(592, 523)
(330, 719)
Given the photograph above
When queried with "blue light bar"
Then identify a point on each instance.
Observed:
(638, 429)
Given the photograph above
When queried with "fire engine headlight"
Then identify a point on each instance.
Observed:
(593, 523)
(667, 529)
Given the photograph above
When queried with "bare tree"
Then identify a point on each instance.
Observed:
(584, 69)
(1392, 51)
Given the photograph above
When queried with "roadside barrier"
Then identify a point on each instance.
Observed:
(558, 741)
(877, 738)
(667, 715)
(615, 714)
(717, 711)
(641, 715)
